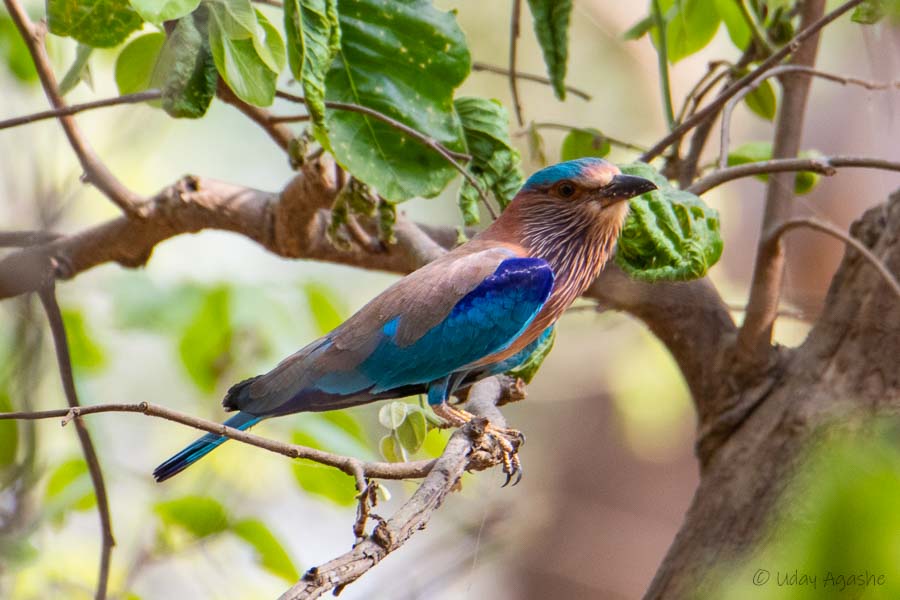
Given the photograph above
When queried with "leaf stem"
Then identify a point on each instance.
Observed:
(662, 55)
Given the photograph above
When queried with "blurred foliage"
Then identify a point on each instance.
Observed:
(9, 434)
(68, 488)
(551, 26)
(87, 355)
(205, 346)
(840, 533)
(14, 52)
(579, 143)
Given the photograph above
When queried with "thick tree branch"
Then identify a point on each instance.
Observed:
(94, 170)
(136, 98)
(57, 328)
(700, 116)
(824, 165)
(468, 449)
(753, 342)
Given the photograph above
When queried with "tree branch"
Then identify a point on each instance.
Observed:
(137, 98)
(827, 228)
(824, 165)
(724, 141)
(468, 449)
(753, 341)
(480, 66)
(514, 21)
(279, 133)
(349, 465)
(94, 170)
(785, 51)
(58, 329)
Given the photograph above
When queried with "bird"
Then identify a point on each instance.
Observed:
(476, 311)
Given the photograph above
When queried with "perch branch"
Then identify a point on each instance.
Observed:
(137, 98)
(58, 329)
(349, 465)
(824, 165)
(753, 341)
(468, 449)
(792, 46)
(94, 170)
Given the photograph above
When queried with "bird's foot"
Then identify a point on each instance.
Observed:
(509, 440)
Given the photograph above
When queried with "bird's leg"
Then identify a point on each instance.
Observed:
(509, 440)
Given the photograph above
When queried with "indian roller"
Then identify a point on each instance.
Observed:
(476, 311)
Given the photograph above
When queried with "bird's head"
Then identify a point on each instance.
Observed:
(579, 202)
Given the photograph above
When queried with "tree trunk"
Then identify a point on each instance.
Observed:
(848, 369)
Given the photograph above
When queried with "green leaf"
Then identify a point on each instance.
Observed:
(236, 51)
(412, 430)
(135, 63)
(391, 449)
(393, 414)
(536, 145)
(9, 434)
(269, 46)
(157, 11)
(872, 11)
(690, 28)
(750, 152)
(551, 26)
(762, 101)
(313, 40)
(200, 516)
(15, 53)
(495, 164)
(669, 234)
(87, 355)
(435, 442)
(321, 480)
(580, 143)
(206, 343)
(325, 311)
(270, 554)
(403, 59)
(97, 23)
(79, 71)
(529, 368)
(735, 23)
(69, 487)
(347, 423)
(185, 71)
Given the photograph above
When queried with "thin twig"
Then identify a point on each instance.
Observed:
(724, 141)
(773, 237)
(702, 87)
(753, 342)
(280, 134)
(94, 170)
(349, 465)
(449, 155)
(58, 329)
(662, 56)
(824, 165)
(785, 51)
(289, 118)
(564, 127)
(759, 34)
(480, 66)
(513, 46)
(136, 98)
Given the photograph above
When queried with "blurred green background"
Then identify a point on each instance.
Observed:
(609, 465)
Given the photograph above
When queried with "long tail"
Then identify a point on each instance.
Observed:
(202, 447)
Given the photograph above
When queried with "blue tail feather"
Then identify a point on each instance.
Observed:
(202, 447)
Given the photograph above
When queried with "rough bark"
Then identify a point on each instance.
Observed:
(846, 370)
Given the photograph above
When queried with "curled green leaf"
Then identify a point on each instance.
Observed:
(185, 71)
(669, 234)
(580, 143)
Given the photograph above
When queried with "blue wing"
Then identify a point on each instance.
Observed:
(485, 321)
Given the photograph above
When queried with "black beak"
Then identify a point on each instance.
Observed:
(623, 187)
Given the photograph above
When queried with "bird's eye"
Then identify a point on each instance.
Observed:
(566, 189)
